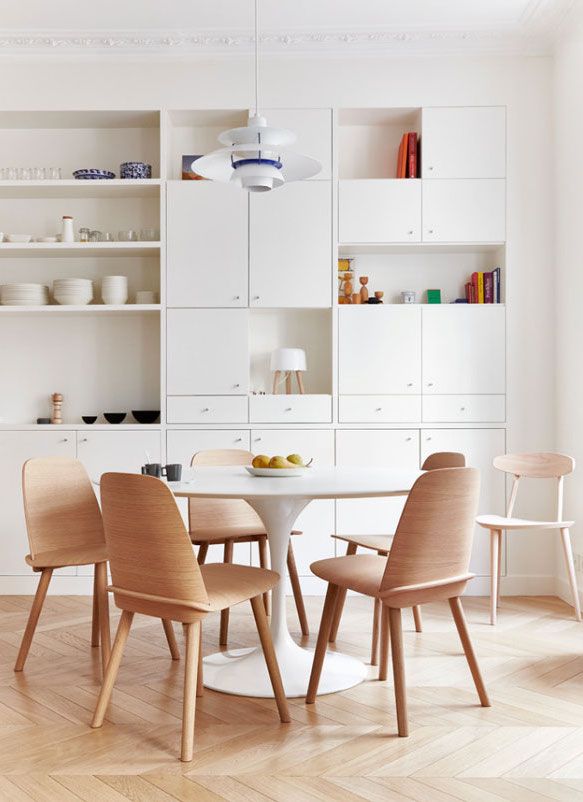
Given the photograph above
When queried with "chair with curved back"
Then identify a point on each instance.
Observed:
(428, 561)
(229, 521)
(381, 544)
(154, 572)
(543, 465)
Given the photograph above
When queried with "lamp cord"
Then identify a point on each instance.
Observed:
(256, 57)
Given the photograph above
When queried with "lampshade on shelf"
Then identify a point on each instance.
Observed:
(284, 362)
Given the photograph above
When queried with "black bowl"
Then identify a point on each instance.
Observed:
(146, 415)
(88, 418)
(114, 417)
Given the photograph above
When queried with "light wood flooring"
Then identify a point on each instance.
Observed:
(528, 746)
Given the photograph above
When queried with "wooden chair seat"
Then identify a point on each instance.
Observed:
(374, 542)
(228, 583)
(359, 572)
(62, 558)
(500, 522)
(220, 534)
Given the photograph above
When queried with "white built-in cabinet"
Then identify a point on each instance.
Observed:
(379, 210)
(464, 210)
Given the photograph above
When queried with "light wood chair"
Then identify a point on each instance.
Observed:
(542, 465)
(154, 572)
(428, 561)
(229, 521)
(381, 544)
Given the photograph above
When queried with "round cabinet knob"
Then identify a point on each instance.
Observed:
(83, 440)
(257, 439)
(462, 409)
(255, 297)
(205, 409)
(288, 409)
(430, 384)
(409, 384)
(64, 440)
(236, 385)
(407, 439)
(429, 438)
(237, 298)
(379, 409)
(239, 439)
(430, 167)
(430, 231)
(410, 232)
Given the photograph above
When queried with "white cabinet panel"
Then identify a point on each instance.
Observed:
(376, 448)
(290, 408)
(379, 210)
(464, 349)
(464, 142)
(480, 446)
(207, 409)
(379, 350)
(464, 408)
(317, 520)
(379, 408)
(313, 128)
(464, 210)
(207, 254)
(290, 246)
(16, 447)
(208, 352)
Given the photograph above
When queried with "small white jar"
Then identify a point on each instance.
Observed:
(67, 233)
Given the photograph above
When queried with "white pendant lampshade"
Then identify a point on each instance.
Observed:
(288, 359)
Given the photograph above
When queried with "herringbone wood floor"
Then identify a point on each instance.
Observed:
(528, 746)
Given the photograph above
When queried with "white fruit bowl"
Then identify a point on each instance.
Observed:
(277, 472)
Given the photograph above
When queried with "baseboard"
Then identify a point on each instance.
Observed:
(563, 591)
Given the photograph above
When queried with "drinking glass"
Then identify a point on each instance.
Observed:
(54, 173)
(24, 173)
(108, 236)
(38, 173)
(95, 236)
(11, 173)
(127, 236)
(148, 235)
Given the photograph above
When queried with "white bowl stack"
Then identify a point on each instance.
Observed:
(73, 291)
(24, 295)
(114, 290)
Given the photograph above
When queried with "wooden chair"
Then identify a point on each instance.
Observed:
(533, 466)
(428, 561)
(154, 572)
(381, 544)
(229, 521)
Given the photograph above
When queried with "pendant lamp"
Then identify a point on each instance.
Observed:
(256, 158)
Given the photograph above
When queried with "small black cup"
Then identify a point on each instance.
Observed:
(152, 469)
(172, 472)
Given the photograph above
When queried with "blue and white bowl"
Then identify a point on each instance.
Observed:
(93, 174)
(135, 170)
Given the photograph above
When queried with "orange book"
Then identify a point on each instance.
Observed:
(403, 152)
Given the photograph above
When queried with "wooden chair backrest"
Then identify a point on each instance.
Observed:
(221, 513)
(434, 536)
(148, 546)
(60, 506)
(538, 465)
(444, 459)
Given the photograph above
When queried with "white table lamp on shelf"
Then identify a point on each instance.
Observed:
(287, 361)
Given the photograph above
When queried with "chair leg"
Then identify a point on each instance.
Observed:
(494, 561)
(384, 657)
(190, 684)
(398, 670)
(270, 658)
(264, 563)
(202, 552)
(340, 603)
(95, 613)
(568, 552)
(297, 590)
(37, 605)
(199, 675)
(460, 621)
(224, 628)
(103, 605)
(374, 649)
(123, 630)
(330, 606)
(171, 638)
(417, 618)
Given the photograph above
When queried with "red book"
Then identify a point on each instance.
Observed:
(403, 150)
(475, 288)
(469, 292)
(488, 288)
(412, 155)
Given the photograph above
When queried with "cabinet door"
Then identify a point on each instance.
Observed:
(464, 142)
(464, 210)
(290, 246)
(379, 210)
(464, 349)
(317, 520)
(313, 128)
(207, 257)
(379, 350)
(208, 352)
(480, 446)
(15, 448)
(376, 448)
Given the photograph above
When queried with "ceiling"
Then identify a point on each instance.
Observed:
(292, 26)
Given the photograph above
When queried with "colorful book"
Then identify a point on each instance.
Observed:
(403, 152)
(496, 282)
(474, 288)
(412, 154)
(480, 288)
(488, 288)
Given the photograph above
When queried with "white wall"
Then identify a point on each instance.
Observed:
(523, 84)
(568, 95)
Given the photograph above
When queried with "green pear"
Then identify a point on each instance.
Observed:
(296, 460)
(260, 461)
(280, 462)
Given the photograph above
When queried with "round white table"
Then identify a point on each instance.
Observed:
(278, 502)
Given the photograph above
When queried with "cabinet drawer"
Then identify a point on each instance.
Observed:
(464, 408)
(290, 408)
(207, 409)
(379, 408)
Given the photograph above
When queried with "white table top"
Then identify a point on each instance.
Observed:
(335, 482)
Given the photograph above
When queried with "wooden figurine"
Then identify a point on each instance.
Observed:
(345, 287)
(57, 416)
(363, 290)
(379, 295)
(355, 297)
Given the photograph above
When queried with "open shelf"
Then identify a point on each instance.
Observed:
(76, 249)
(89, 309)
(71, 188)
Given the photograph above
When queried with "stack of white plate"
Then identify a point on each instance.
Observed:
(24, 295)
(73, 291)
(114, 289)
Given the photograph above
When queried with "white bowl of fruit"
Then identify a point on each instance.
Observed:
(278, 466)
